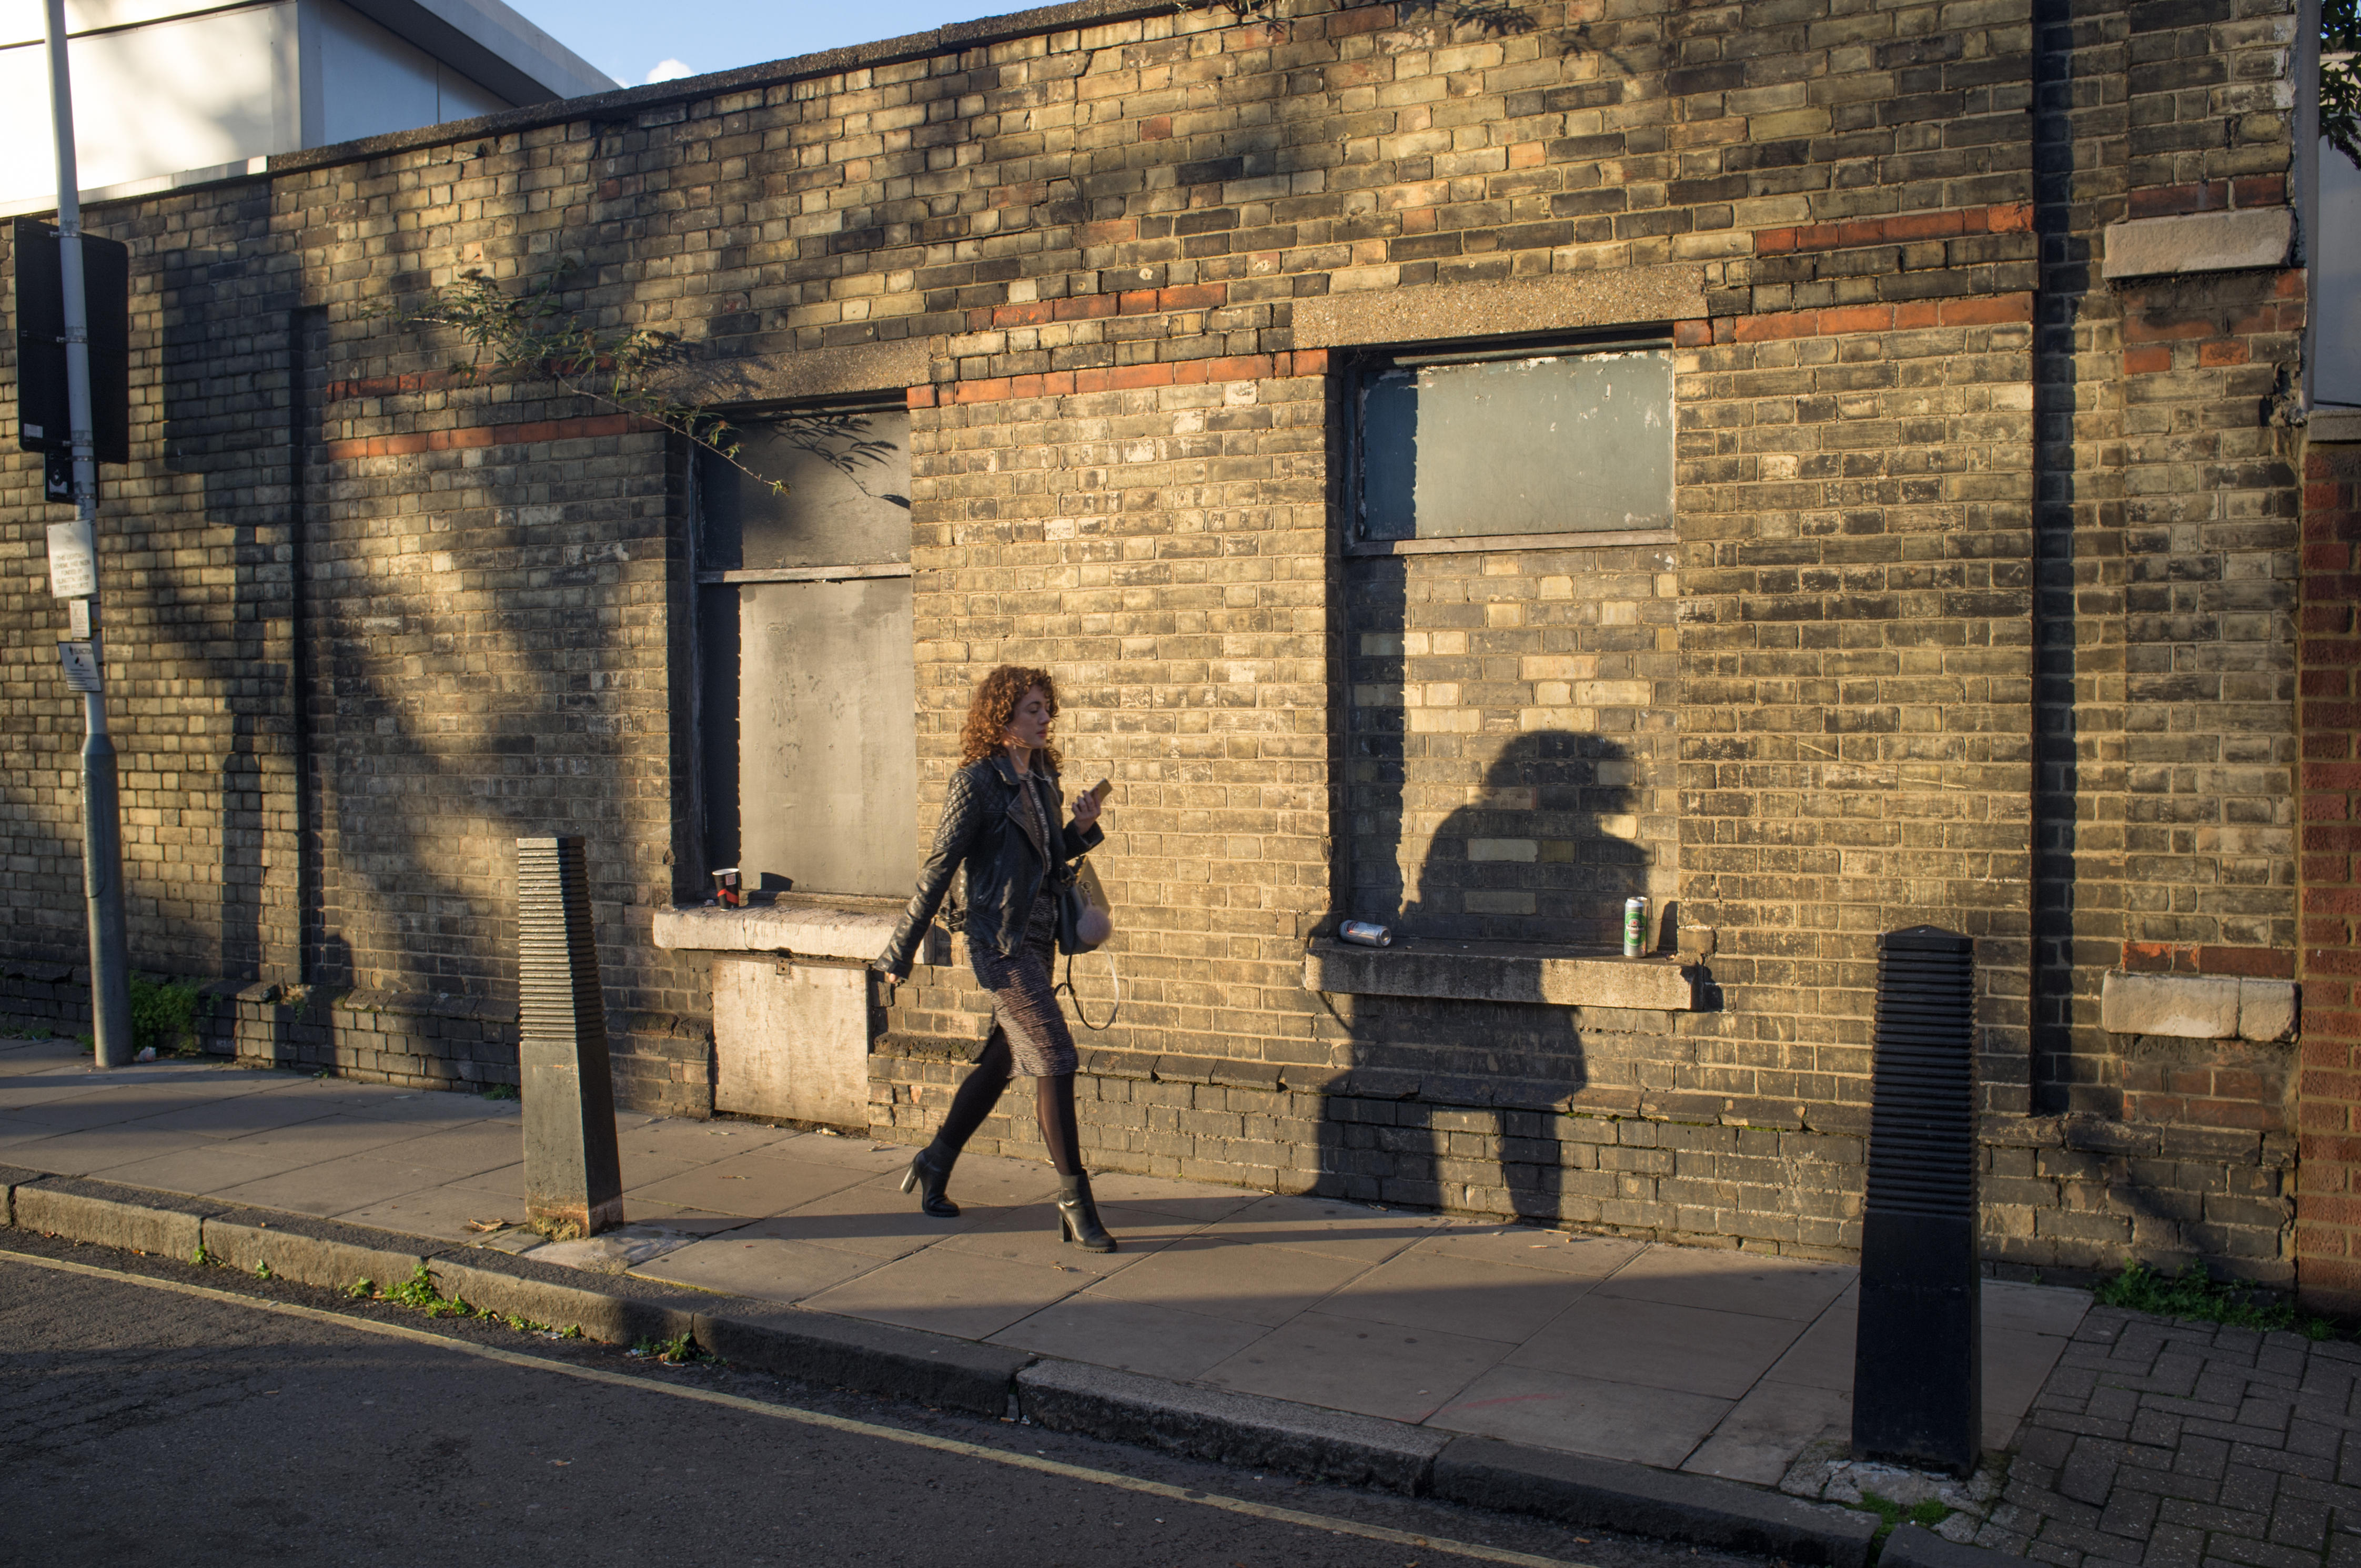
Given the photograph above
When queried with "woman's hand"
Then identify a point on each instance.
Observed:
(1086, 810)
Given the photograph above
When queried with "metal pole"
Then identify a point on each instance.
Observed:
(102, 848)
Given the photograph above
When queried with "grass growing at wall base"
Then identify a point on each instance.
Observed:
(2194, 1293)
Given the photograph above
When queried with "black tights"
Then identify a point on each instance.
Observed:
(1053, 1103)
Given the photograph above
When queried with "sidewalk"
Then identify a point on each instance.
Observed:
(1684, 1358)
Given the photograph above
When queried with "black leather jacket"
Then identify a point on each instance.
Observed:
(986, 832)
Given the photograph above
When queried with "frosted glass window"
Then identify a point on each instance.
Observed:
(1568, 442)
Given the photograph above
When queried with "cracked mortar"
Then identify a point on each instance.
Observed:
(1824, 1473)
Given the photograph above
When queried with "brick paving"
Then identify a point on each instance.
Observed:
(2177, 1445)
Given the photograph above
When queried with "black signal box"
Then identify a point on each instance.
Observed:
(42, 421)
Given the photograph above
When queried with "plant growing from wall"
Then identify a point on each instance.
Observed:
(530, 333)
(2340, 76)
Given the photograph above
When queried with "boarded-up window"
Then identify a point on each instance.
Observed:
(1559, 443)
(807, 723)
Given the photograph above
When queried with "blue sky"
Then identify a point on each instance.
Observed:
(638, 40)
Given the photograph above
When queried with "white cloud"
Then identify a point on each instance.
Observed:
(669, 70)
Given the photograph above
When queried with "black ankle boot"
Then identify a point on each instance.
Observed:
(1077, 1216)
(929, 1173)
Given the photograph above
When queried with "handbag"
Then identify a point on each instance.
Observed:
(1083, 924)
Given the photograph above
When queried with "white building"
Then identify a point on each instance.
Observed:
(178, 92)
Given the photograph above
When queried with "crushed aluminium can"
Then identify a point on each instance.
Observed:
(1365, 934)
(1635, 928)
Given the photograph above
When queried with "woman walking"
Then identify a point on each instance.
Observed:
(1002, 831)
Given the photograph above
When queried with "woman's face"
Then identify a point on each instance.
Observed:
(1030, 726)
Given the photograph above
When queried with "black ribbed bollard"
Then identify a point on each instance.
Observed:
(573, 1182)
(1917, 1382)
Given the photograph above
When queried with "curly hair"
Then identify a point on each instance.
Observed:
(994, 704)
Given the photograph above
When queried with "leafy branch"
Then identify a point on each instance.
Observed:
(530, 333)
(2340, 76)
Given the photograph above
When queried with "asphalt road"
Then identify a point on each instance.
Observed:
(140, 1425)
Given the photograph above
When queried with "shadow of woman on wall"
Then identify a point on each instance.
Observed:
(1448, 1101)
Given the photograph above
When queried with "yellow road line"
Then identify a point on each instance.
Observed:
(819, 1418)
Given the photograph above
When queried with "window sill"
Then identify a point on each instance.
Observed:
(1502, 971)
(1570, 540)
(803, 925)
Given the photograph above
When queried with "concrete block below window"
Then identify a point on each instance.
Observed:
(2199, 242)
(2197, 1006)
(1501, 971)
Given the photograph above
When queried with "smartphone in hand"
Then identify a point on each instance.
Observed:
(1101, 790)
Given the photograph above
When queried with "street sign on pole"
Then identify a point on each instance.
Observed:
(73, 562)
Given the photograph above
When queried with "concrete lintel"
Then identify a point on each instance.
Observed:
(1624, 296)
(2330, 422)
(852, 370)
(812, 930)
(2199, 242)
(1500, 971)
(2197, 1006)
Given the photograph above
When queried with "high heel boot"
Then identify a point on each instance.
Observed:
(929, 1173)
(1077, 1215)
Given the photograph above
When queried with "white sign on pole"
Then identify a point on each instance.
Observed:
(81, 660)
(73, 564)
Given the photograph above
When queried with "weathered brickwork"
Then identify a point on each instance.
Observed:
(2329, 673)
(1977, 609)
(2165, 527)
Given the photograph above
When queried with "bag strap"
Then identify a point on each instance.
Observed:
(1067, 985)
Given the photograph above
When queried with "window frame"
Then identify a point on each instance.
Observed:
(1368, 366)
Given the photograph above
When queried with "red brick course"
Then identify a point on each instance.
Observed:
(2328, 1206)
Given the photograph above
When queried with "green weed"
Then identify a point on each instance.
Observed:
(679, 1351)
(262, 1271)
(200, 1257)
(1891, 1514)
(2194, 1293)
(501, 1091)
(361, 1289)
(164, 1012)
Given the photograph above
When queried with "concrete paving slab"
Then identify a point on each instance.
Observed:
(14, 1130)
(1691, 1350)
(1349, 1363)
(1525, 1246)
(764, 1267)
(505, 1181)
(871, 1217)
(1266, 1285)
(337, 1187)
(1760, 1437)
(2016, 1365)
(207, 1167)
(1459, 1295)
(858, 1153)
(1584, 1415)
(1201, 1202)
(1031, 1234)
(1137, 1336)
(751, 1184)
(327, 1135)
(962, 1295)
(236, 1116)
(1709, 1277)
(91, 1150)
(449, 1214)
(2035, 1309)
(1330, 1226)
(469, 1149)
(1822, 1357)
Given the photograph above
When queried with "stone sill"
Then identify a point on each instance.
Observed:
(2197, 1006)
(802, 927)
(1501, 971)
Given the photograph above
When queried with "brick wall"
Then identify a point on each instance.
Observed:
(1979, 609)
(2328, 1228)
